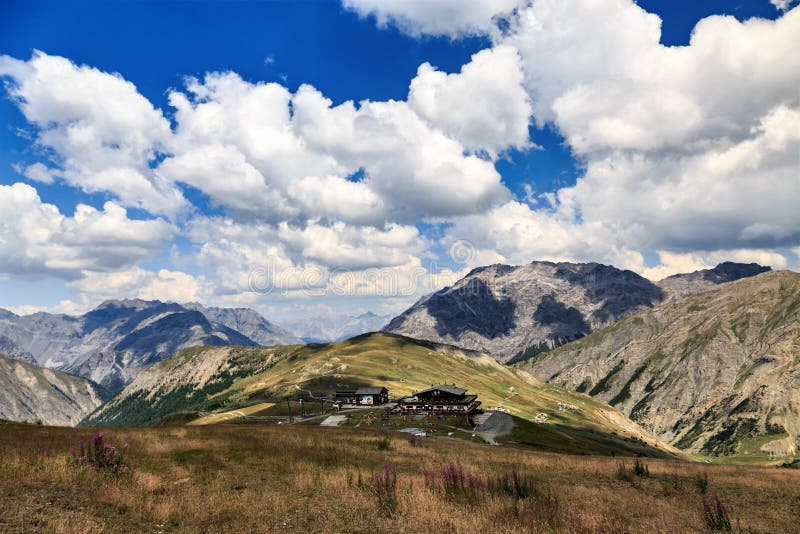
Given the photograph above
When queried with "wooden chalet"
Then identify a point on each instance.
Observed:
(437, 400)
(367, 396)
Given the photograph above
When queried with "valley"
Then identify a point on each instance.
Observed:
(664, 420)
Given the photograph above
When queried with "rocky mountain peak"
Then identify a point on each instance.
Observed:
(508, 310)
(729, 271)
(134, 303)
(505, 309)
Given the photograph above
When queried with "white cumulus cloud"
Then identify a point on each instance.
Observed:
(485, 106)
(101, 132)
(36, 240)
(685, 149)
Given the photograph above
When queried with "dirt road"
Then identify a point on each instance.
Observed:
(496, 425)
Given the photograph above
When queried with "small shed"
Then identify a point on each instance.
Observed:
(366, 396)
(372, 396)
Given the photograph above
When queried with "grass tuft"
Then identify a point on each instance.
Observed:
(639, 470)
(384, 444)
(96, 452)
(716, 516)
(701, 482)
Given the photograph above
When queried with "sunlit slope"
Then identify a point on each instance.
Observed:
(229, 378)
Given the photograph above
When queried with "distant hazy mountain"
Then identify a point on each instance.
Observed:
(111, 343)
(681, 285)
(248, 322)
(30, 393)
(337, 327)
(522, 310)
(716, 373)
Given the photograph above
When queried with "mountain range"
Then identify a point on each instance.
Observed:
(336, 327)
(708, 362)
(516, 311)
(113, 342)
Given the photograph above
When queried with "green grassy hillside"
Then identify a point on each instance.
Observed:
(222, 379)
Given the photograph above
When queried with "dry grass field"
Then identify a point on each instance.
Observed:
(254, 478)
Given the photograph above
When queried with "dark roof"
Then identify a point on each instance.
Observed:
(444, 387)
(466, 399)
(370, 391)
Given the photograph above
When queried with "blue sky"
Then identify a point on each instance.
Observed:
(372, 51)
(315, 42)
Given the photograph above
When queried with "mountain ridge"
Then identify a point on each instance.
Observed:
(248, 322)
(716, 373)
(682, 285)
(513, 310)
